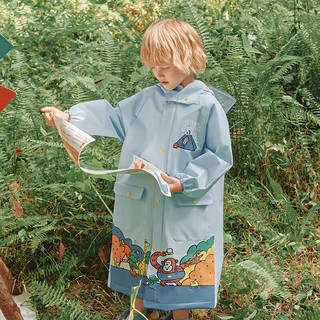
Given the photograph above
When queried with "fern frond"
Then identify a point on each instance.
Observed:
(110, 54)
(39, 236)
(297, 114)
(267, 273)
(81, 88)
(193, 17)
(281, 66)
(50, 296)
(51, 144)
(308, 315)
(310, 102)
(9, 240)
(75, 80)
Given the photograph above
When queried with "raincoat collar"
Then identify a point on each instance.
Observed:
(190, 94)
(187, 95)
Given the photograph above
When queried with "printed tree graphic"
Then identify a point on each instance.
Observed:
(133, 259)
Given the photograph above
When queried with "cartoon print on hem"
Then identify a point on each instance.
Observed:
(186, 142)
(126, 255)
(203, 273)
(169, 271)
(196, 268)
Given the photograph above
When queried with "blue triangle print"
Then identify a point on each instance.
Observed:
(5, 46)
(186, 142)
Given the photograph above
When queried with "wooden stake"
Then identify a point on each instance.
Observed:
(7, 305)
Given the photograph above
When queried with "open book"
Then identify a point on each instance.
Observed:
(75, 140)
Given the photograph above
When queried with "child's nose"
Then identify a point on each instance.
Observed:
(158, 74)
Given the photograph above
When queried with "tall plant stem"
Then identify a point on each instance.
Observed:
(103, 202)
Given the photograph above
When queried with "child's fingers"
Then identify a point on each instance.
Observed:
(168, 179)
(164, 177)
(48, 109)
(49, 119)
(174, 184)
(48, 114)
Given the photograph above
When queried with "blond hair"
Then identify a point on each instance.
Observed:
(172, 41)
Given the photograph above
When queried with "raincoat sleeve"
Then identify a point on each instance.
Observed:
(203, 172)
(99, 118)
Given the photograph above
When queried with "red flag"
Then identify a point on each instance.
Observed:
(6, 96)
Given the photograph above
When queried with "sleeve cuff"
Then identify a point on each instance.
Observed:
(187, 182)
(67, 111)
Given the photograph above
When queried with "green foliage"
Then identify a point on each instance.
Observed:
(192, 16)
(264, 53)
(133, 297)
(48, 296)
(269, 275)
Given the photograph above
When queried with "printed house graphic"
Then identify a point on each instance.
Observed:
(186, 142)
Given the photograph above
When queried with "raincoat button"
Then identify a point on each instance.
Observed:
(129, 194)
(194, 201)
(186, 99)
(158, 201)
(207, 88)
(161, 150)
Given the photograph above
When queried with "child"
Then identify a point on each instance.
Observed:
(174, 244)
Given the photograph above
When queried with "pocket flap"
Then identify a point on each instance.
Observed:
(185, 201)
(129, 191)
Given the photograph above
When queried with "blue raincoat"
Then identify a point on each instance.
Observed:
(175, 245)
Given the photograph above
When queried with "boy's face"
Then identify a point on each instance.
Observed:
(170, 76)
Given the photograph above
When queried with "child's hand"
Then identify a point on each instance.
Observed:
(50, 111)
(174, 183)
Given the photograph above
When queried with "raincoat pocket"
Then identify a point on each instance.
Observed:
(129, 207)
(185, 201)
(191, 220)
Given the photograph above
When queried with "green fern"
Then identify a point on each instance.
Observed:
(49, 296)
(308, 315)
(195, 19)
(298, 115)
(267, 273)
(80, 88)
(110, 54)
